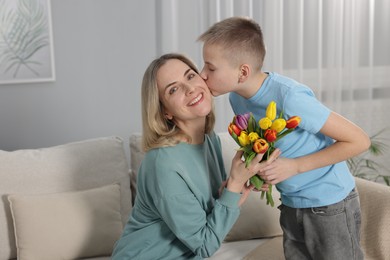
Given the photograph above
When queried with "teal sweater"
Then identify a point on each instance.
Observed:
(178, 213)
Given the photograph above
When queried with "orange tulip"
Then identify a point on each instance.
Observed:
(293, 122)
(233, 128)
(270, 135)
(260, 146)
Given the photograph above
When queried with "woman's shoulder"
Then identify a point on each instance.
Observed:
(161, 160)
(169, 152)
(181, 149)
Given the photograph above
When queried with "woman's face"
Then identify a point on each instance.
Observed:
(183, 93)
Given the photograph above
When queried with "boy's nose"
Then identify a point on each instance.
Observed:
(203, 74)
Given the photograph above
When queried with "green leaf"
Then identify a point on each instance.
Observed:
(256, 181)
(248, 149)
(251, 123)
(270, 200)
(249, 158)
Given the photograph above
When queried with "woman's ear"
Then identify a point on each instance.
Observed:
(168, 116)
(244, 73)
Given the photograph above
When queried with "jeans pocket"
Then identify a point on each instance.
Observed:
(330, 210)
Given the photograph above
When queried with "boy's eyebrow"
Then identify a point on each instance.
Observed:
(172, 83)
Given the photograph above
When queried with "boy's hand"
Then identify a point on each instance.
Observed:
(280, 170)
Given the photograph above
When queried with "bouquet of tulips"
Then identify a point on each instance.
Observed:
(260, 137)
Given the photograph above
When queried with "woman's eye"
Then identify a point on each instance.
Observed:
(191, 75)
(172, 90)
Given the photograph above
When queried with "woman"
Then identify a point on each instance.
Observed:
(184, 208)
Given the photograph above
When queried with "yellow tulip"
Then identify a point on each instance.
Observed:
(244, 139)
(278, 125)
(271, 110)
(265, 123)
(253, 136)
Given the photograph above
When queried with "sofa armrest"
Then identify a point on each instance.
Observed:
(375, 208)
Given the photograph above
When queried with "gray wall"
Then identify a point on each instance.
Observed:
(101, 49)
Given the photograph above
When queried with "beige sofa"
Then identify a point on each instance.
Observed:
(71, 202)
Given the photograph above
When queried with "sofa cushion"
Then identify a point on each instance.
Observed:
(68, 225)
(257, 220)
(375, 226)
(271, 249)
(237, 249)
(136, 156)
(68, 167)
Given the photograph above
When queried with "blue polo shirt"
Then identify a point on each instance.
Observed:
(315, 188)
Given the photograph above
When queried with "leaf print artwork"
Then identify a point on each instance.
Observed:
(24, 36)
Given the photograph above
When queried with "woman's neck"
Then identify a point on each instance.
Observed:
(195, 132)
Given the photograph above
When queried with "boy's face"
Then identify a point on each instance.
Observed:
(220, 76)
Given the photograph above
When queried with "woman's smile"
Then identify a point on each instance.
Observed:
(196, 100)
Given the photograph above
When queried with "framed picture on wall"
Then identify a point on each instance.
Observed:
(26, 42)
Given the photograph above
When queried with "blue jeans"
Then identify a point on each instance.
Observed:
(330, 232)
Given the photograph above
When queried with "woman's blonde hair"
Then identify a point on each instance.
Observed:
(157, 130)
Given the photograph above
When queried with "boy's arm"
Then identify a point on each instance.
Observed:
(350, 140)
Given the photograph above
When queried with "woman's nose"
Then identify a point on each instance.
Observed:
(189, 88)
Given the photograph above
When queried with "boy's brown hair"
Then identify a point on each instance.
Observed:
(241, 39)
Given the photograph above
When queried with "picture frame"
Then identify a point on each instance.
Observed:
(26, 42)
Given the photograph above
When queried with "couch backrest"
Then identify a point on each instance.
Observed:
(69, 167)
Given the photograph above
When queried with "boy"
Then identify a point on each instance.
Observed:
(320, 211)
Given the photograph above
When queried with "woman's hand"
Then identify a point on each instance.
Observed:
(246, 190)
(223, 186)
(240, 174)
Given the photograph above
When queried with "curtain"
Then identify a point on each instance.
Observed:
(339, 48)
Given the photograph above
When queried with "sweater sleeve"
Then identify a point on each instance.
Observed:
(202, 232)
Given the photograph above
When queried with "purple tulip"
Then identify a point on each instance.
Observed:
(242, 121)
